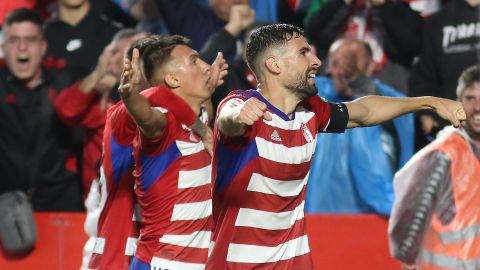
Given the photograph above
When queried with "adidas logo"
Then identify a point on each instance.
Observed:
(275, 136)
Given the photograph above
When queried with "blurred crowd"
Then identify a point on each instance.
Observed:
(62, 62)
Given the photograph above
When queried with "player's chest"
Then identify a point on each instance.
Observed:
(286, 142)
(183, 133)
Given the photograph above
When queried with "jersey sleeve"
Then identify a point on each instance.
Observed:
(176, 111)
(122, 125)
(165, 98)
(331, 117)
(151, 146)
(236, 141)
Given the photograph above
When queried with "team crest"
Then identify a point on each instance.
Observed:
(306, 133)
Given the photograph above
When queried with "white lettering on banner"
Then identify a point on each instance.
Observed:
(452, 34)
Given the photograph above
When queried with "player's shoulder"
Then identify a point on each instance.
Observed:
(154, 92)
(118, 112)
(241, 94)
(160, 97)
(313, 102)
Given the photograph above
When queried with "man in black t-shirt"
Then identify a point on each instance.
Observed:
(78, 34)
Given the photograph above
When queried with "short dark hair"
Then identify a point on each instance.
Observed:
(254, 26)
(23, 15)
(141, 45)
(158, 52)
(468, 77)
(269, 36)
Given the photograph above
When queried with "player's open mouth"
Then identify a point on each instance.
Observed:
(311, 74)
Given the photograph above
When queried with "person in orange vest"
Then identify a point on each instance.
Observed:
(435, 221)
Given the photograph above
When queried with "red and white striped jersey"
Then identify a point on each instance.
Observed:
(119, 223)
(117, 229)
(260, 180)
(174, 192)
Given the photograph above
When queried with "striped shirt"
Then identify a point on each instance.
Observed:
(260, 180)
(117, 230)
(119, 222)
(174, 192)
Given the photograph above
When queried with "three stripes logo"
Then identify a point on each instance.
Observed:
(275, 136)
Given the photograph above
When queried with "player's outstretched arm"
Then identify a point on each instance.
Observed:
(237, 114)
(150, 120)
(372, 110)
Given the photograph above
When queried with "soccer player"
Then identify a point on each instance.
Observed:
(265, 140)
(172, 166)
(118, 226)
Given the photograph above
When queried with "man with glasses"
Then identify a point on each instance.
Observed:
(35, 155)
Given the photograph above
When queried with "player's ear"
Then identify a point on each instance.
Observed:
(171, 81)
(272, 64)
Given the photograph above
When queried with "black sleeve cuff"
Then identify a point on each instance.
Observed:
(338, 118)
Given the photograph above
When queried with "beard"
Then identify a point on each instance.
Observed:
(472, 131)
(301, 88)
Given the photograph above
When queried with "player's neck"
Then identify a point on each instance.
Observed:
(194, 103)
(279, 96)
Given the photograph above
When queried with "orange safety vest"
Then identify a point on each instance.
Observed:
(457, 244)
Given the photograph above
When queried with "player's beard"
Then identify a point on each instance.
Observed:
(301, 88)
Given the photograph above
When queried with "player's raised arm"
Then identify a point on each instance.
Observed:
(237, 114)
(150, 120)
(372, 110)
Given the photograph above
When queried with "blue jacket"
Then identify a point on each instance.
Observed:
(350, 172)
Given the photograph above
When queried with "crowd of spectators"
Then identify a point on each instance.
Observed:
(62, 59)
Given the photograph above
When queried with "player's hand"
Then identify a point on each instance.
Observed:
(207, 139)
(131, 80)
(450, 110)
(252, 110)
(205, 132)
(241, 17)
(218, 71)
